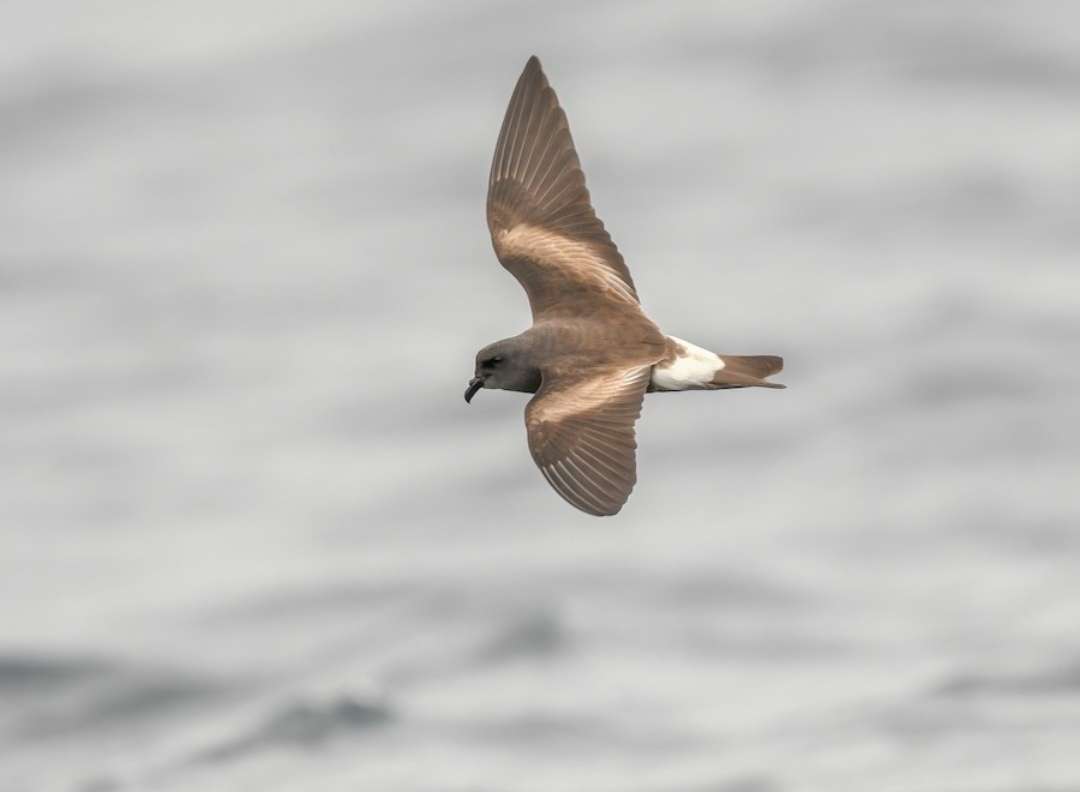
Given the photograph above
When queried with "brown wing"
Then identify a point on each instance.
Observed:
(542, 225)
(581, 434)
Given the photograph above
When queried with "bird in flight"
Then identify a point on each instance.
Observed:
(591, 353)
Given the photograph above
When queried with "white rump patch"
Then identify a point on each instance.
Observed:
(692, 369)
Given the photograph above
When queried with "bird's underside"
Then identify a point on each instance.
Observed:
(592, 350)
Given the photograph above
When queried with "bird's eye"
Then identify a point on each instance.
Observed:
(493, 361)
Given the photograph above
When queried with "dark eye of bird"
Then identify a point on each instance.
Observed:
(493, 361)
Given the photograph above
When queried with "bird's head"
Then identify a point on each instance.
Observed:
(502, 366)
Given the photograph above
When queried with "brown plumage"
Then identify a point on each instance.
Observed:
(591, 353)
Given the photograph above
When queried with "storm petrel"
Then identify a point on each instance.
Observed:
(591, 353)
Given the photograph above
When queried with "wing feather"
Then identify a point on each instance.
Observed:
(581, 434)
(542, 223)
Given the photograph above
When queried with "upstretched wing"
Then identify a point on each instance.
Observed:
(542, 225)
(581, 434)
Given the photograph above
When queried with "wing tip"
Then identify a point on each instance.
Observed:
(533, 71)
(595, 508)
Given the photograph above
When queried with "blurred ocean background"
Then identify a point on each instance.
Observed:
(252, 538)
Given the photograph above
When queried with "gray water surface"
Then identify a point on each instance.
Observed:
(251, 537)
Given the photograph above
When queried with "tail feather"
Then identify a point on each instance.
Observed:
(689, 367)
(748, 371)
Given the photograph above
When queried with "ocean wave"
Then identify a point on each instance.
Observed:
(22, 674)
(1047, 681)
(303, 725)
